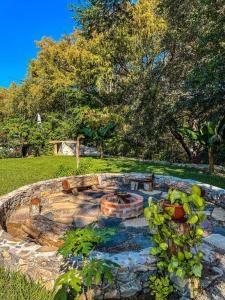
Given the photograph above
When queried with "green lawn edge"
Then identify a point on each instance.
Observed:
(17, 172)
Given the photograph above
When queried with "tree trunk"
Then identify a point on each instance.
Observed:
(101, 151)
(78, 151)
(211, 160)
(180, 139)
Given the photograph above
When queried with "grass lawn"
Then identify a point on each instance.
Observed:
(15, 286)
(17, 172)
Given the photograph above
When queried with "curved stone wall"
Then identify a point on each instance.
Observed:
(35, 261)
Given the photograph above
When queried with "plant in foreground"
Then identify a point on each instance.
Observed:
(176, 242)
(80, 279)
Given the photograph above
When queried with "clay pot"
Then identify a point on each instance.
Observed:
(179, 212)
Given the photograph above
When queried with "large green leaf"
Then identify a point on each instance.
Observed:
(211, 128)
(197, 270)
(189, 133)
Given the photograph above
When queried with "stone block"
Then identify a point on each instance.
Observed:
(219, 214)
(216, 240)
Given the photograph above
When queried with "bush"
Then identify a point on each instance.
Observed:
(7, 152)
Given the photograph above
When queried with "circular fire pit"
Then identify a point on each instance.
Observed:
(122, 205)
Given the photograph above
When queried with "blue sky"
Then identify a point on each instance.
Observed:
(21, 23)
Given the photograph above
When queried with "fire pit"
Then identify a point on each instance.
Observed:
(122, 205)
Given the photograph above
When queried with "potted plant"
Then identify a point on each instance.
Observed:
(179, 202)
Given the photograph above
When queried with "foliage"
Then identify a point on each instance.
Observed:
(173, 244)
(15, 286)
(179, 197)
(157, 65)
(82, 241)
(99, 135)
(92, 271)
(161, 287)
(210, 135)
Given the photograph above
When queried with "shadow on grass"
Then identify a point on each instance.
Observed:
(127, 166)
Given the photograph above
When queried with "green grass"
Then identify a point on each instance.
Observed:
(17, 172)
(14, 286)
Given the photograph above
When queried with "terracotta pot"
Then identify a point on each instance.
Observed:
(179, 212)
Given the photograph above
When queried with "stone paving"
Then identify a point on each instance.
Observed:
(129, 248)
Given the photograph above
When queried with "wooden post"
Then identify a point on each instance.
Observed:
(55, 149)
(78, 150)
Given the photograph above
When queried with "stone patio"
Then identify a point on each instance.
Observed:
(130, 246)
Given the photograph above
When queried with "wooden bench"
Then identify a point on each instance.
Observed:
(73, 185)
(146, 182)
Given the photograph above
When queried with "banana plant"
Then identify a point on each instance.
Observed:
(99, 135)
(210, 136)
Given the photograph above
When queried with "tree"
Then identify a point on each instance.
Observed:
(100, 135)
(210, 136)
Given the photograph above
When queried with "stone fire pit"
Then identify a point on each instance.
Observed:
(122, 205)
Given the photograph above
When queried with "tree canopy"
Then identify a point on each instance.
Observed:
(154, 66)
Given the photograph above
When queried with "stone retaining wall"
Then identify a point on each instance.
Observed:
(35, 260)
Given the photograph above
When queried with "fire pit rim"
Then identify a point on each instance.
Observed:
(137, 201)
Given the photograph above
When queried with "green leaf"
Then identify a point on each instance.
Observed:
(170, 211)
(180, 272)
(155, 250)
(193, 219)
(197, 200)
(197, 270)
(170, 268)
(184, 197)
(174, 262)
(157, 238)
(196, 190)
(188, 254)
(180, 255)
(147, 213)
(199, 231)
(189, 133)
(163, 246)
(161, 265)
(187, 208)
(175, 195)
(201, 217)
(200, 254)
(159, 219)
